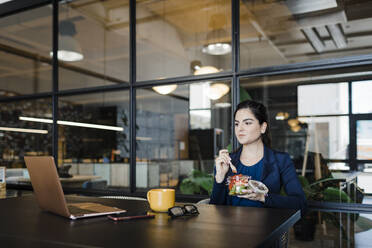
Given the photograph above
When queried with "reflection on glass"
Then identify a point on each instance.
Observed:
(364, 139)
(364, 180)
(309, 141)
(200, 119)
(330, 99)
(93, 43)
(94, 138)
(362, 95)
(328, 136)
(331, 229)
(25, 65)
(179, 38)
(20, 138)
(178, 136)
(282, 32)
(338, 166)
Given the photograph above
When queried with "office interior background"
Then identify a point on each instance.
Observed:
(143, 92)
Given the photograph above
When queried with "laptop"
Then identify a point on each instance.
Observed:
(49, 194)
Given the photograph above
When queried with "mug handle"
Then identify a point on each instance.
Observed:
(148, 195)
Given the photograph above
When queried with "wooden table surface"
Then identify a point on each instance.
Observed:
(22, 223)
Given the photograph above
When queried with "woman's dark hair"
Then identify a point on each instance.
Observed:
(259, 111)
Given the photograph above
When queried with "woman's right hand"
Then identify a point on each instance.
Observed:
(223, 162)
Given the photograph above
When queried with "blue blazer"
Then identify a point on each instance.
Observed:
(278, 170)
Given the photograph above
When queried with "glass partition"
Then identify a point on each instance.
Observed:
(309, 119)
(330, 99)
(285, 32)
(91, 51)
(362, 95)
(331, 229)
(364, 139)
(179, 134)
(180, 38)
(25, 64)
(94, 139)
(21, 137)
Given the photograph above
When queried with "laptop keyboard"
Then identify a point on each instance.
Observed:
(79, 211)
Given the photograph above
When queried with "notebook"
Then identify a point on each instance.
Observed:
(49, 194)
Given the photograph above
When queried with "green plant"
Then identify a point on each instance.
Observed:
(197, 183)
(323, 190)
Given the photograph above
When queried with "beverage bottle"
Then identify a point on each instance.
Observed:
(2, 179)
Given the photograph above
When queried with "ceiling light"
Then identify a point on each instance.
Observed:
(88, 125)
(296, 128)
(314, 38)
(165, 89)
(69, 49)
(4, 1)
(23, 130)
(282, 116)
(337, 34)
(218, 90)
(217, 40)
(294, 125)
(143, 138)
(71, 123)
(293, 122)
(205, 70)
(222, 105)
(217, 48)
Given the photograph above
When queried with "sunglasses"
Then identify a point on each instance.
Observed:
(186, 210)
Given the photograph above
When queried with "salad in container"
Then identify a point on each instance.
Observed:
(239, 184)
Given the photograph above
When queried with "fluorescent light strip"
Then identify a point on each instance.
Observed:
(80, 124)
(4, 1)
(22, 118)
(23, 130)
(71, 123)
(143, 138)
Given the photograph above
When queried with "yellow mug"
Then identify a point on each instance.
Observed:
(161, 200)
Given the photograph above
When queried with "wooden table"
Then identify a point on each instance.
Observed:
(22, 223)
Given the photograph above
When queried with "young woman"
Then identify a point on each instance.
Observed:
(255, 159)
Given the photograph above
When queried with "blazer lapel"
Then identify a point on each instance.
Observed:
(268, 163)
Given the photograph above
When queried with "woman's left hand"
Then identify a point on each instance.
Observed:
(251, 195)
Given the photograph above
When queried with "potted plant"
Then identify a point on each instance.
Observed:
(197, 183)
(324, 189)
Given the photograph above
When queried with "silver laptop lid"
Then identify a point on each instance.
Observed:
(46, 184)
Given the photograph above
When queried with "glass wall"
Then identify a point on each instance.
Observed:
(284, 32)
(364, 139)
(362, 95)
(94, 139)
(311, 119)
(299, 124)
(92, 52)
(320, 117)
(25, 63)
(331, 229)
(179, 134)
(180, 38)
(21, 136)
